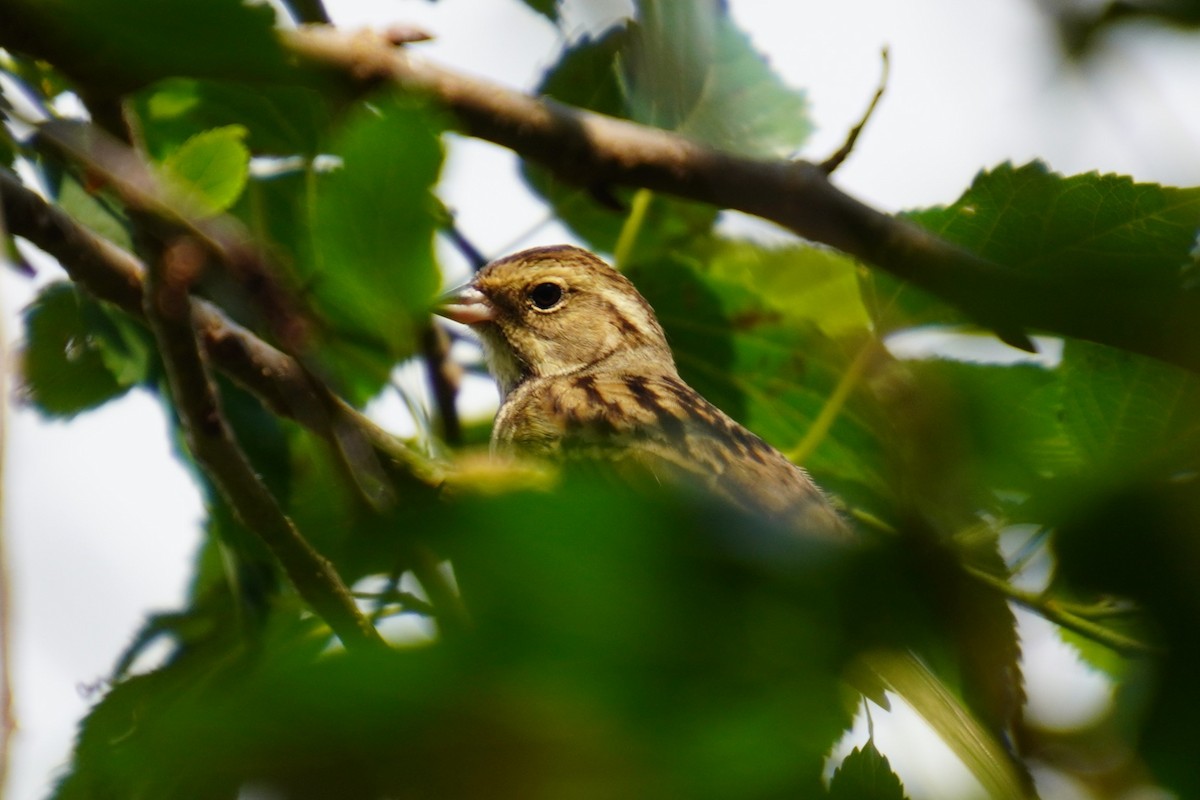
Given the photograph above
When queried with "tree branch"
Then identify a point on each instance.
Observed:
(830, 164)
(591, 149)
(169, 208)
(444, 378)
(278, 380)
(168, 309)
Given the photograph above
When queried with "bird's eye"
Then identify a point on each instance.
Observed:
(546, 295)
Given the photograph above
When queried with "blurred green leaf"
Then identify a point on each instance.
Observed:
(586, 76)
(799, 282)
(682, 67)
(865, 774)
(1124, 412)
(93, 210)
(118, 45)
(372, 274)
(1139, 542)
(625, 645)
(212, 167)
(1080, 27)
(1007, 424)
(76, 357)
(771, 371)
(1107, 235)
(688, 68)
(1099, 656)
(279, 120)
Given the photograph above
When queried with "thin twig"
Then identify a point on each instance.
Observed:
(407, 601)
(474, 257)
(819, 429)
(1059, 614)
(169, 311)
(631, 227)
(834, 161)
(445, 377)
(452, 615)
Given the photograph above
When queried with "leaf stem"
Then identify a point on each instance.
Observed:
(1066, 616)
(820, 426)
(632, 227)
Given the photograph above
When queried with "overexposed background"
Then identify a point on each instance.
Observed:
(101, 523)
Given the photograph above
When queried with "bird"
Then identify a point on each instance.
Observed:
(585, 371)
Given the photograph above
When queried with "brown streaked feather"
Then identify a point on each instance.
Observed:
(661, 425)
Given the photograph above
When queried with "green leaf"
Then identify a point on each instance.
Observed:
(1138, 541)
(76, 357)
(987, 759)
(1125, 412)
(1091, 226)
(1004, 422)
(372, 274)
(682, 67)
(690, 69)
(586, 76)
(591, 653)
(799, 282)
(1106, 237)
(1099, 656)
(212, 167)
(279, 120)
(119, 45)
(771, 372)
(93, 210)
(865, 774)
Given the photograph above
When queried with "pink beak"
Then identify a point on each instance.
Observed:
(467, 305)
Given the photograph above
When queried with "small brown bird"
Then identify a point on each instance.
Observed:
(585, 372)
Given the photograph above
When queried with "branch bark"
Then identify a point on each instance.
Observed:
(278, 380)
(590, 149)
(168, 308)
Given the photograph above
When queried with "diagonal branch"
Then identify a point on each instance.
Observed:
(591, 149)
(168, 309)
(278, 380)
(167, 208)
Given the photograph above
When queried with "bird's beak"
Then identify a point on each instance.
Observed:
(467, 305)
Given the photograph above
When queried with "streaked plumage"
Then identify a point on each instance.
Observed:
(585, 371)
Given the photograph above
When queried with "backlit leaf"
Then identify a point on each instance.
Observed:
(212, 167)
(372, 275)
(70, 362)
(865, 774)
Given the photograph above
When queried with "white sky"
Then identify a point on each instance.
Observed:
(101, 522)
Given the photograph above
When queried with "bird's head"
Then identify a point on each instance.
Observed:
(555, 310)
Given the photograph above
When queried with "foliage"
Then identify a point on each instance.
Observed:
(597, 640)
(865, 774)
